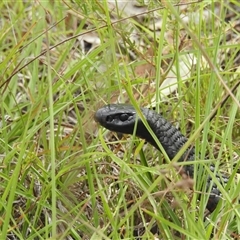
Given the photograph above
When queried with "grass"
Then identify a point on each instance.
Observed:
(64, 177)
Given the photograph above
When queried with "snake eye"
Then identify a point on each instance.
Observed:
(123, 117)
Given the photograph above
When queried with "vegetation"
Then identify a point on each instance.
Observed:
(64, 177)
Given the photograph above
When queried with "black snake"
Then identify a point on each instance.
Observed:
(122, 118)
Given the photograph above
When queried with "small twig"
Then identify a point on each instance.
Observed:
(81, 34)
(213, 114)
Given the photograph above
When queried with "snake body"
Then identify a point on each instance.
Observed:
(123, 118)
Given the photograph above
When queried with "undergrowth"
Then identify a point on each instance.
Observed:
(63, 176)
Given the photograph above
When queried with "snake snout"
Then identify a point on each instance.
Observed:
(109, 119)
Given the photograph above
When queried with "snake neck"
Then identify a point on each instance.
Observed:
(171, 139)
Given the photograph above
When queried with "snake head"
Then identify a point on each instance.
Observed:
(123, 118)
(117, 118)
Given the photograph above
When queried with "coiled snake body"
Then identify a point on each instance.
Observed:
(122, 118)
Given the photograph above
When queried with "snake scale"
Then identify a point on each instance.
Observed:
(122, 118)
